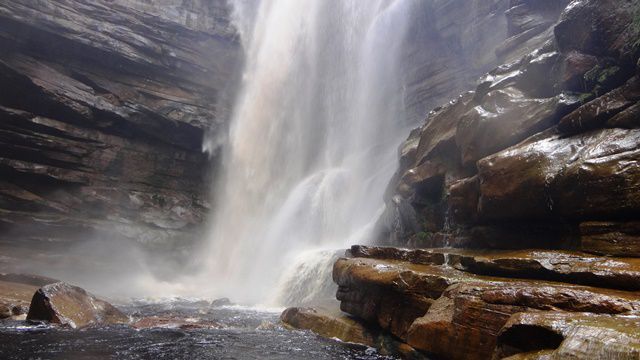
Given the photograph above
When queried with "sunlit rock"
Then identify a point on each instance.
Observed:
(69, 305)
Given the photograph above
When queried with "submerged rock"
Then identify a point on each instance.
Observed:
(64, 304)
(168, 322)
(329, 325)
(551, 177)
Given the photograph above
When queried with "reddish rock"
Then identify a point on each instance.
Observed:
(598, 27)
(387, 293)
(575, 65)
(16, 292)
(468, 318)
(561, 335)
(505, 118)
(424, 181)
(564, 266)
(329, 325)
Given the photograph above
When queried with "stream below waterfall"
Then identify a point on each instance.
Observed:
(245, 333)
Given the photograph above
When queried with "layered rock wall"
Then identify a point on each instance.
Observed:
(520, 201)
(543, 153)
(103, 108)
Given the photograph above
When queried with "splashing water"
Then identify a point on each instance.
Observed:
(312, 143)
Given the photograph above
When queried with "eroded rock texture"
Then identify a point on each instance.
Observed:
(103, 109)
(494, 304)
(520, 201)
(546, 145)
(451, 42)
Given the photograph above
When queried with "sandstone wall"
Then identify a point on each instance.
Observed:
(103, 108)
(543, 153)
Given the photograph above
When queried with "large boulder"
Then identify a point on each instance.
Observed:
(329, 325)
(402, 292)
(64, 304)
(16, 291)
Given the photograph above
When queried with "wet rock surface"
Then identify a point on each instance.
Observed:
(245, 333)
(104, 106)
(545, 143)
(557, 335)
(68, 305)
(460, 309)
(333, 324)
(16, 292)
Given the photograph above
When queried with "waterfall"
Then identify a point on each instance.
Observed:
(313, 140)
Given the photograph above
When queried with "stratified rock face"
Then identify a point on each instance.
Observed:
(451, 42)
(544, 144)
(103, 108)
(16, 292)
(559, 335)
(476, 303)
(522, 199)
(64, 304)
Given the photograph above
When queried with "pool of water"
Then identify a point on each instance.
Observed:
(245, 333)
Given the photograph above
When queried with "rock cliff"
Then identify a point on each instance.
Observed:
(103, 107)
(519, 201)
(541, 154)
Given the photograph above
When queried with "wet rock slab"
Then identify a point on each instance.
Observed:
(611, 238)
(556, 265)
(466, 301)
(329, 324)
(561, 335)
(334, 324)
(168, 322)
(64, 304)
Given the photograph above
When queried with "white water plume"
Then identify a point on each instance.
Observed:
(313, 140)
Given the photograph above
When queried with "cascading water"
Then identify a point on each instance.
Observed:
(312, 144)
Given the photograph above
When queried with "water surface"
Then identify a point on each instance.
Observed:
(246, 334)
